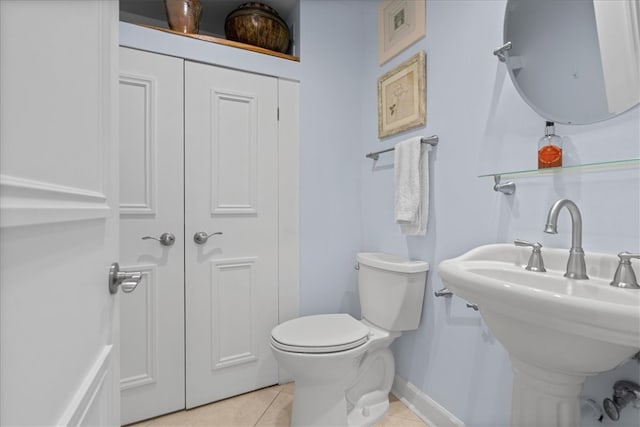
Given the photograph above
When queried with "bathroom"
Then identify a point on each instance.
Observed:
(484, 126)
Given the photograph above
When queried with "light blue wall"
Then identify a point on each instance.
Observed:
(330, 117)
(484, 126)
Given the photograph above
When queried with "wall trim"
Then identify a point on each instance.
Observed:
(288, 206)
(422, 405)
(85, 397)
(30, 202)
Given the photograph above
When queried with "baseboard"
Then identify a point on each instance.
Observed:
(422, 405)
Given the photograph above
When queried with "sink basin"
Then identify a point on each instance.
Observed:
(556, 330)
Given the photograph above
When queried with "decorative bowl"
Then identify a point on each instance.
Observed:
(257, 24)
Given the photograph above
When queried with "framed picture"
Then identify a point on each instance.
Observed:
(400, 23)
(401, 97)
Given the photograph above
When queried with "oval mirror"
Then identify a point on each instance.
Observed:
(574, 62)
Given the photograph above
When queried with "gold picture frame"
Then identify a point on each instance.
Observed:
(402, 97)
(400, 24)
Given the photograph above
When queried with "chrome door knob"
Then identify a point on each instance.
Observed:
(166, 239)
(128, 280)
(201, 237)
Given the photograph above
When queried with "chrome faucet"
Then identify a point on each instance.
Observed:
(576, 268)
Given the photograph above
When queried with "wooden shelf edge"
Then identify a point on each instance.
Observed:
(225, 42)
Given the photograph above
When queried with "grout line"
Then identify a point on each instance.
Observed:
(267, 408)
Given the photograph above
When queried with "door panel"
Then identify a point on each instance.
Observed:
(59, 352)
(231, 186)
(139, 312)
(233, 170)
(151, 203)
(233, 287)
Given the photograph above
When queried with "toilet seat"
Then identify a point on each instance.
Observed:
(323, 333)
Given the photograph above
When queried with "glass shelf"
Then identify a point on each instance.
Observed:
(585, 167)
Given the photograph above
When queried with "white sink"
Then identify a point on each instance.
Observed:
(557, 330)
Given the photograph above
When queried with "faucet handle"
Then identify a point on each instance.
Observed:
(624, 276)
(520, 242)
(535, 260)
(626, 256)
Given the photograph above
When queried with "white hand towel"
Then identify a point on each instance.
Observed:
(412, 186)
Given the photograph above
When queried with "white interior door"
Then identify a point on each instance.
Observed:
(58, 213)
(151, 204)
(231, 187)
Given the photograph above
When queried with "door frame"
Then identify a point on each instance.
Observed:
(289, 195)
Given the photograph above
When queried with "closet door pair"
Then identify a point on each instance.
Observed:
(199, 156)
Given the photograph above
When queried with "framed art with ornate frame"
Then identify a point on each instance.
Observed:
(402, 97)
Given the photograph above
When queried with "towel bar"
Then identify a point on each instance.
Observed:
(431, 140)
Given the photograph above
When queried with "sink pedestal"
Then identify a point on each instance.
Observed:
(544, 398)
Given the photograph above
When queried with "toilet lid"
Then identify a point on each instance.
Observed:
(323, 333)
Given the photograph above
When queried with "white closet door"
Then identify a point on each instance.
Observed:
(231, 186)
(59, 336)
(151, 204)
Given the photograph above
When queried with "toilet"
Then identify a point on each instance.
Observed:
(342, 367)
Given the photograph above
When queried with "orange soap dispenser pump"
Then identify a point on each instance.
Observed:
(549, 148)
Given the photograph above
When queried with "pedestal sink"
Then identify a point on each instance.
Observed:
(557, 331)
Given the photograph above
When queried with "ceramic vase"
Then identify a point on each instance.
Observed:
(184, 15)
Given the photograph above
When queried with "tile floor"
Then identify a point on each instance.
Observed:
(268, 407)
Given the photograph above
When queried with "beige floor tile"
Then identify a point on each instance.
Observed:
(268, 407)
(287, 388)
(243, 410)
(398, 409)
(283, 387)
(391, 421)
(277, 387)
(177, 419)
(279, 413)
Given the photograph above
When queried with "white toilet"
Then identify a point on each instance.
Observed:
(342, 367)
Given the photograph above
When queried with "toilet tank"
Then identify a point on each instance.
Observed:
(391, 290)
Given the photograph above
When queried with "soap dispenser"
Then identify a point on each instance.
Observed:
(549, 148)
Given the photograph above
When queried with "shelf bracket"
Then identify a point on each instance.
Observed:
(507, 188)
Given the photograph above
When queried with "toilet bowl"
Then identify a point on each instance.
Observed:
(342, 367)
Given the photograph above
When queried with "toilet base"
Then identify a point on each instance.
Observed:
(318, 405)
(369, 410)
(326, 405)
